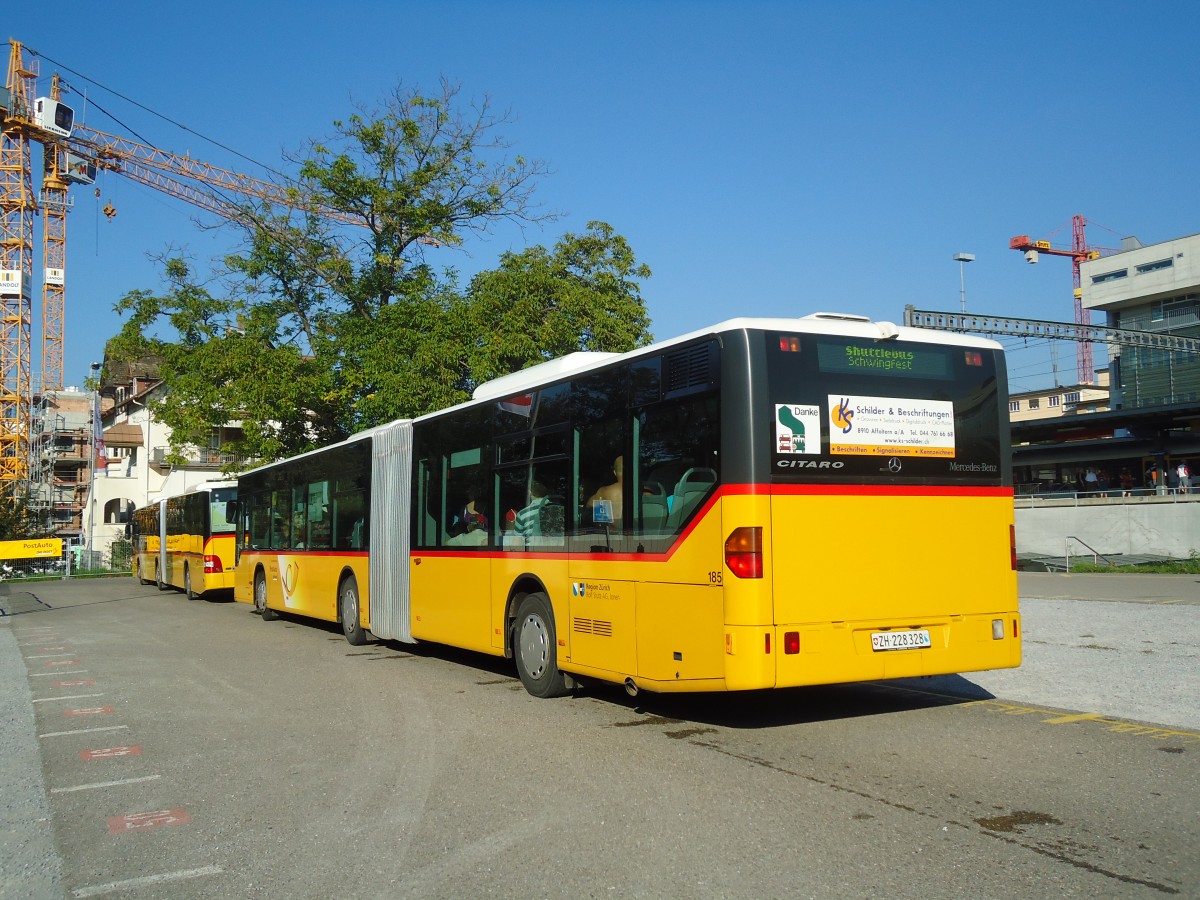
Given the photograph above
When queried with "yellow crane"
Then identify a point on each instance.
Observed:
(74, 154)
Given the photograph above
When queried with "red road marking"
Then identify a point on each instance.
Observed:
(110, 752)
(63, 662)
(90, 711)
(73, 683)
(144, 821)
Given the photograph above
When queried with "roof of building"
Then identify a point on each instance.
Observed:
(122, 371)
(123, 435)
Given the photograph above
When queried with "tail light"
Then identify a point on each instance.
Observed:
(1012, 546)
(212, 565)
(743, 552)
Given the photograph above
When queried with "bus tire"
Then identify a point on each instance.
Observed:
(162, 585)
(187, 584)
(260, 598)
(535, 648)
(348, 612)
(141, 574)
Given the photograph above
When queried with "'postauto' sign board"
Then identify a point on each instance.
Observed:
(42, 548)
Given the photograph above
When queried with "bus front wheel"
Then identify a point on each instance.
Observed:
(260, 599)
(535, 648)
(348, 610)
(158, 579)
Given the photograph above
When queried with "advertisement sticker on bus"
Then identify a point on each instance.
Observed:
(890, 426)
(797, 428)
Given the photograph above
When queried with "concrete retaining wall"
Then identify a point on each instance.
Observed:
(1163, 526)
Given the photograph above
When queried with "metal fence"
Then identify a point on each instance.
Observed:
(75, 563)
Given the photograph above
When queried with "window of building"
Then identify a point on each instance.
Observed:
(1071, 396)
(1109, 276)
(1034, 403)
(1155, 266)
(1053, 401)
(1175, 308)
(1014, 405)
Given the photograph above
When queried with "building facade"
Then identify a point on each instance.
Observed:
(139, 465)
(1060, 402)
(1151, 422)
(1149, 288)
(61, 461)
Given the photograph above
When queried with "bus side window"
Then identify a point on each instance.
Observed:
(281, 520)
(260, 521)
(318, 516)
(677, 462)
(348, 522)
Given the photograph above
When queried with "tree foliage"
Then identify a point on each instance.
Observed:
(539, 304)
(315, 330)
(18, 521)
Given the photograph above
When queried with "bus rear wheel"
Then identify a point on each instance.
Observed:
(535, 648)
(162, 585)
(141, 575)
(349, 613)
(260, 599)
(187, 584)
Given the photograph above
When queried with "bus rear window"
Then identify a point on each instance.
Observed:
(849, 409)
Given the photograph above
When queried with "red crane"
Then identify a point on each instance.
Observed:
(1079, 252)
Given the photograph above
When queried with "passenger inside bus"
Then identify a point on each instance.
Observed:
(605, 504)
(528, 521)
(470, 526)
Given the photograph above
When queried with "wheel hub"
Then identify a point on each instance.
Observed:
(534, 646)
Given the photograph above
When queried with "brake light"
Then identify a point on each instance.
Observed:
(974, 358)
(789, 343)
(791, 642)
(743, 552)
(1012, 546)
(212, 565)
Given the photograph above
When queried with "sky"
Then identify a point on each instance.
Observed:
(763, 158)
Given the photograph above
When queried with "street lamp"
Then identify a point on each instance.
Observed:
(962, 284)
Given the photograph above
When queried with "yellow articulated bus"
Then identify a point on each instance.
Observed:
(186, 541)
(765, 503)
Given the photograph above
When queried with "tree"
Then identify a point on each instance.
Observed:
(538, 305)
(18, 522)
(312, 333)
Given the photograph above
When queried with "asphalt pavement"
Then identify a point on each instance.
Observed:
(1169, 589)
(1096, 646)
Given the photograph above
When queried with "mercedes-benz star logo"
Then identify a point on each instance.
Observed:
(894, 465)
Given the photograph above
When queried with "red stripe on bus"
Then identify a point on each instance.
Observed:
(300, 551)
(888, 490)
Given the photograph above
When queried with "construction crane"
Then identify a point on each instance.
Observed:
(74, 154)
(1079, 253)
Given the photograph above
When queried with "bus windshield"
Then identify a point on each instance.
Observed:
(847, 409)
(219, 499)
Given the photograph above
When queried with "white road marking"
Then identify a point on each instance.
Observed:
(82, 731)
(103, 784)
(98, 890)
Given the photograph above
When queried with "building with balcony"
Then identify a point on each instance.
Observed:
(139, 467)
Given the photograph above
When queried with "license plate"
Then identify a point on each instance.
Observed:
(900, 640)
